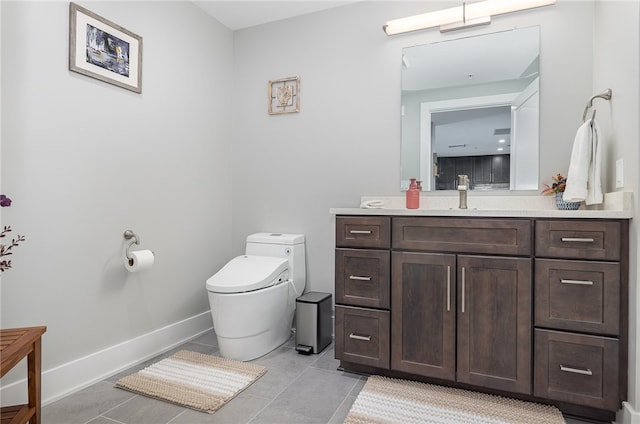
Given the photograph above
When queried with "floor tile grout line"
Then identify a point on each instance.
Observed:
(294, 379)
(133, 396)
(276, 396)
(205, 344)
(344, 399)
(184, 411)
(110, 419)
(297, 376)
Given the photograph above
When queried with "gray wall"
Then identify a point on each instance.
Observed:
(83, 161)
(617, 66)
(195, 163)
(345, 142)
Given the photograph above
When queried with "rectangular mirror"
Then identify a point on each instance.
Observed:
(470, 106)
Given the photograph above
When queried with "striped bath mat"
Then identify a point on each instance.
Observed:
(388, 400)
(194, 380)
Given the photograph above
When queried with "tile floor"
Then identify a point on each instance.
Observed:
(296, 389)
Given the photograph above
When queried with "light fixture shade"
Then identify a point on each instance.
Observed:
(423, 21)
(499, 7)
(463, 16)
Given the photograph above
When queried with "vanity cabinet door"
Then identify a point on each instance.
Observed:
(423, 314)
(494, 322)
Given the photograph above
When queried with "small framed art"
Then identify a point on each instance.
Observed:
(284, 95)
(104, 50)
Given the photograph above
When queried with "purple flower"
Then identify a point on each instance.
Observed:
(4, 201)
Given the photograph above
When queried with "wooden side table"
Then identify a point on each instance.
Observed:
(15, 344)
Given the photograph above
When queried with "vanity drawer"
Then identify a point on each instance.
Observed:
(576, 368)
(360, 231)
(362, 336)
(577, 295)
(463, 235)
(597, 240)
(362, 277)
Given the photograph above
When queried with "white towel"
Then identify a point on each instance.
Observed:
(583, 178)
(372, 204)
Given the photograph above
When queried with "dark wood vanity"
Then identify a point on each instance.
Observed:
(532, 308)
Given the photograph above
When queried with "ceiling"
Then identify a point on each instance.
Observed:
(240, 14)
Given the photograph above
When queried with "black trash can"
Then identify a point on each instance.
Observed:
(313, 322)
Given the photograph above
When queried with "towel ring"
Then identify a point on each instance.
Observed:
(606, 95)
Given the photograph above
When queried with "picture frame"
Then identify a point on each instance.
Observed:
(104, 50)
(284, 95)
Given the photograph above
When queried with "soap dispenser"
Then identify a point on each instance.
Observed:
(413, 195)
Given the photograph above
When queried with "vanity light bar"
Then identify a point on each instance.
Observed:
(464, 16)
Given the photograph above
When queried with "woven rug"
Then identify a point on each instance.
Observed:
(388, 400)
(194, 380)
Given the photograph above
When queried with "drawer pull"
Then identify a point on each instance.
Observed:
(357, 337)
(356, 277)
(577, 282)
(576, 370)
(448, 288)
(359, 231)
(578, 239)
(463, 284)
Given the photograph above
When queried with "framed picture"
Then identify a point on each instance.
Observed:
(284, 95)
(104, 50)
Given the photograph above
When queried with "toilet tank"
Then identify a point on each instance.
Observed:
(290, 246)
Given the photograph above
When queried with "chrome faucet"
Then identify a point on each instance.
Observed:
(463, 186)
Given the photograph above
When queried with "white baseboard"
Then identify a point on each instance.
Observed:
(68, 378)
(628, 415)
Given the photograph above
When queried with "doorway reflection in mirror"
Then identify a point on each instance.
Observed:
(470, 106)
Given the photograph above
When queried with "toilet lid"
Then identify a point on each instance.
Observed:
(245, 273)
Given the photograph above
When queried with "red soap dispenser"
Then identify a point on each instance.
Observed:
(413, 195)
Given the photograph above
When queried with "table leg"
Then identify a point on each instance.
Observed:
(34, 368)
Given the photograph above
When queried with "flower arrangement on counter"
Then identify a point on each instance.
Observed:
(558, 186)
(6, 250)
(557, 189)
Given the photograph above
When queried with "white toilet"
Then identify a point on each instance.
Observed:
(253, 297)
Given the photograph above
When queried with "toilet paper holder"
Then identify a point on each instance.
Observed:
(128, 235)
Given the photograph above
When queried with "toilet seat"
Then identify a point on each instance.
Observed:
(247, 273)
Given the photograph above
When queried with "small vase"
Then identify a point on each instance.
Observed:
(565, 206)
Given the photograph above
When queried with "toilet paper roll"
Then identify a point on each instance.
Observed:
(140, 260)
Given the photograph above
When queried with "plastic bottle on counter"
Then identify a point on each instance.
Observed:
(413, 195)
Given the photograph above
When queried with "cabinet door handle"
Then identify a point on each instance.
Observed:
(576, 370)
(578, 239)
(577, 282)
(357, 337)
(463, 284)
(359, 278)
(359, 231)
(448, 288)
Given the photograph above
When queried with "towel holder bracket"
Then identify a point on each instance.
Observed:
(128, 235)
(604, 95)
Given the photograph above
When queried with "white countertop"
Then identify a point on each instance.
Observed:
(617, 205)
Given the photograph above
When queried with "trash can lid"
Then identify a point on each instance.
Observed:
(313, 297)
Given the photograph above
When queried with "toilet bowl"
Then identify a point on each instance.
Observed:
(253, 297)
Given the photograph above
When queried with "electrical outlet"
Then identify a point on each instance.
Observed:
(620, 173)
